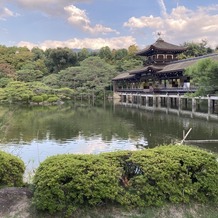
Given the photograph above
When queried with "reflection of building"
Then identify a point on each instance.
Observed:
(162, 73)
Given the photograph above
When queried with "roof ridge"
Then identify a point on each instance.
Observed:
(195, 58)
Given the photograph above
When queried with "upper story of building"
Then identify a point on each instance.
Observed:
(161, 52)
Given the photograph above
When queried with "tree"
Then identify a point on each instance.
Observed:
(204, 75)
(98, 77)
(29, 75)
(7, 70)
(105, 53)
(120, 54)
(17, 92)
(83, 54)
(125, 65)
(60, 59)
(51, 80)
(15, 56)
(195, 49)
(68, 77)
(132, 49)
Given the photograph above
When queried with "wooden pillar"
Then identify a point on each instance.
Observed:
(193, 105)
(179, 103)
(114, 86)
(154, 100)
(140, 99)
(146, 101)
(209, 105)
(168, 101)
(171, 102)
(158, 101)
(213, 106)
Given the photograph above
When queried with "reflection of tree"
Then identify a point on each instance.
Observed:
(66, 122)
(160, 128)
(6, 117)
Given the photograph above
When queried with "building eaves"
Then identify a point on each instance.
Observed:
(159, 45)
(183, 64)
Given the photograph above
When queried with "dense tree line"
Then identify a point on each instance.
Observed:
(60, 73)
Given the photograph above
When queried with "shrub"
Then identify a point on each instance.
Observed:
(44, 96)
(168, 173)
(37, 98)
(131, 178)
(53, 99)
(11, 170)
(64, 182)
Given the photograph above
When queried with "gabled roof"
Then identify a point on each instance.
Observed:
(173, 67)
(131, 74)
(147, 68)
(183, 64)
(161, 45)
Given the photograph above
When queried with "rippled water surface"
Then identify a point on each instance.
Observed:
(34, 133)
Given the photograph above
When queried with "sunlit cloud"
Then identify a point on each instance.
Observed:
(96, 43)
(65, 9)
(181, 24)
(5, 13)
(79, 18)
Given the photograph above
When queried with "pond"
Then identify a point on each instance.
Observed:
(35, 133)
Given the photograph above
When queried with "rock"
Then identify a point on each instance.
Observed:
(15, 202)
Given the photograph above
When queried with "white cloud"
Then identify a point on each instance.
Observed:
(78, 17)
(163, 7)
(5, 13)
(66, 9)
(182, 24)
(142, 22)
(96, 43)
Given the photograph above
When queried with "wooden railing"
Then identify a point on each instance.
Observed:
(173, 90)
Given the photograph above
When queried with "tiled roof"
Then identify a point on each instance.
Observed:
(160, 44)
(183, 64)
(121, 76)
(174, 66)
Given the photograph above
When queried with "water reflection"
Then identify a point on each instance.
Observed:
(34, 133)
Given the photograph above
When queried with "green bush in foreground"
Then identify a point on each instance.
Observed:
(131, 178)
(11, 170)
(67, 181)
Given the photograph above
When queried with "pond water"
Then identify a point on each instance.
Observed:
(35, 133)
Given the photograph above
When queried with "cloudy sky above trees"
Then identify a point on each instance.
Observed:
(114, 23)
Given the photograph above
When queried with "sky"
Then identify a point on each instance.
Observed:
(118, 24)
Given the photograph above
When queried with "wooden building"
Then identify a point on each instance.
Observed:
(162, 73)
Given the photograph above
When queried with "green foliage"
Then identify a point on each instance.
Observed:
(29, 75)
(131, 178)
(44, 97)
(37, 98)
(67, 181)
(4, 82)
(11, 170)
(195, 49)
(52, 99)
(17, 92)
(64, 93)
(85, 79)
(60, 59)
(51, 80)
(204, 76)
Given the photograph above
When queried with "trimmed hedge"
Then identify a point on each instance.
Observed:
(132, 178)
(11, 170)
(67, 181)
